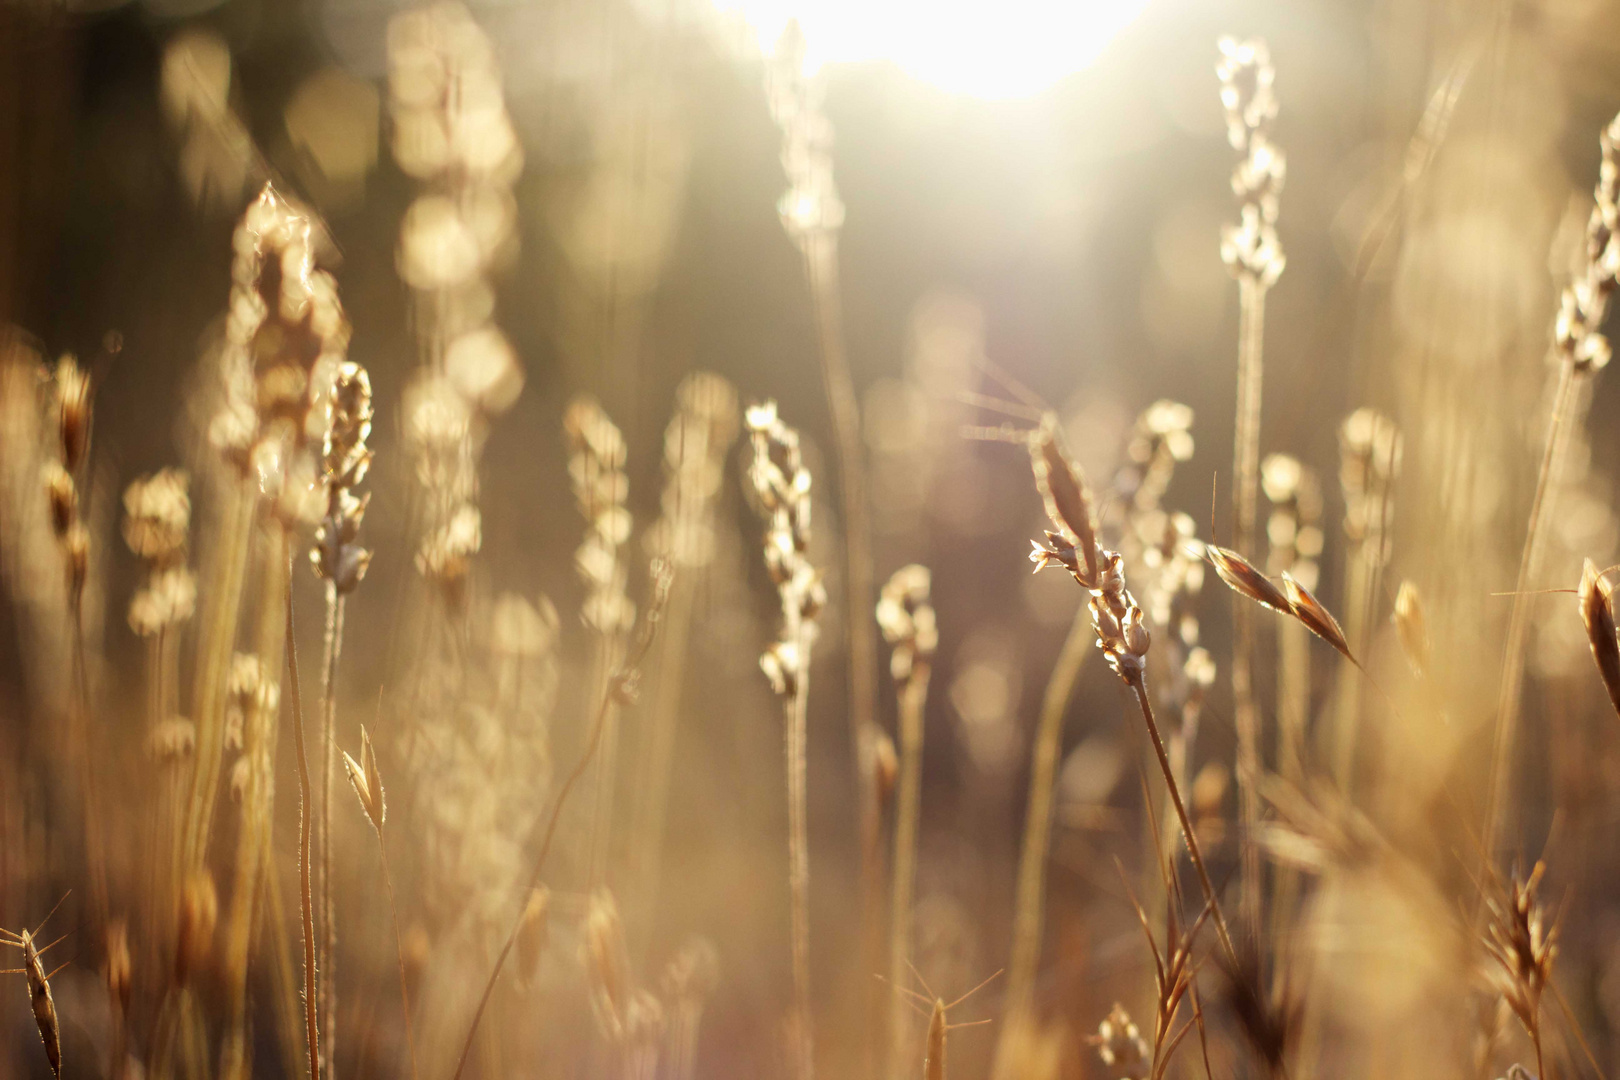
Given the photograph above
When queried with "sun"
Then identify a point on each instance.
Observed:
(981, 48)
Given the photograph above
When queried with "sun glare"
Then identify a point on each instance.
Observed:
(1005, 49)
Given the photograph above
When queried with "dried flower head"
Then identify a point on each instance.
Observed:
(1121, 626)
(810, 208)
(597, 452)
(1251, 249)
(168, 599)
(1120, 1044)
(782, 485)
(337, 556)
(1585, 301)
(172, 740)
(71, 403)
(907, 620)
(157, 516)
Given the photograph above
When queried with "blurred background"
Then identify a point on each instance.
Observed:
(1036, 191)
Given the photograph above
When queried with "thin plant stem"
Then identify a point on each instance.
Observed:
(663, 720)
(795, 740)
(273, 925)
(215, 647)
(399, 953)
(1139, 688)
(913, 696)
(253, 833)
(1030, 901)
(1535, 542)
(95, 851)
(328, 951)
(1245, 490)
(305, 814)
(820, 251)
(619, 686)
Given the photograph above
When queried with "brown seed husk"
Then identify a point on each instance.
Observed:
(1317, 619)
(1241, 576)
(1597, 613)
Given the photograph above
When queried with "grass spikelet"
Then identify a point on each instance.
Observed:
(533, 933)
(1523, 946)
(1241, 577)
(1317, 619)
(40, 998)
(1597, 615)
(1412, 627)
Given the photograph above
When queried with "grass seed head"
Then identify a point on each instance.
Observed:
(1317, 619)
(1596, 595)
(1411, 627)
(367, 781)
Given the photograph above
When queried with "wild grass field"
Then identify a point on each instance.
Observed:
(516, 525)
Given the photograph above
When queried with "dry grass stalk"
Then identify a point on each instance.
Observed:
(689, 982)
(812, 214)
(1295, 538)
(299, 375)
(939, 1025)
(1159, 440)
(366, 780)
(1253, 254)
(1370, 449)
(39, 988)
(596, 463)
(1174, 972)
(340, 562)
(906, 618)
(1116, 619)
(696, 443)
(782, 484)
(1523, 946)
(1582, 349)
(66, 465)
(451, 132)
(1597, 615)
(621, 691)
(306, 809)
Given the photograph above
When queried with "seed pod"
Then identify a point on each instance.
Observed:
(533, 932)
(72, 411)
(1241, 576)
(1411, 627)
(367, 781)
(63, 497)
(1597, 613)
